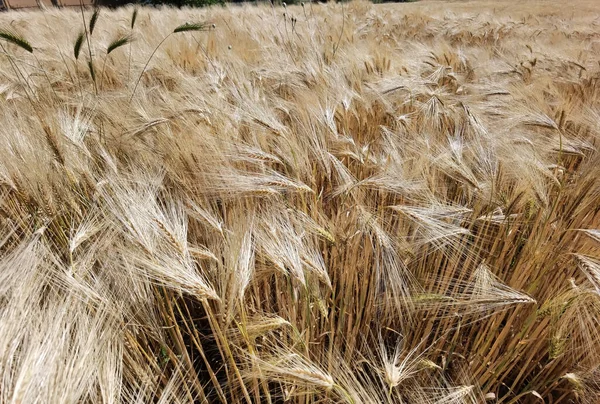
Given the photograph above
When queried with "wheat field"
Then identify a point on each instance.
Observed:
(319, 203)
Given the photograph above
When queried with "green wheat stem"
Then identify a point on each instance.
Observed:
(87, 37)
(146, 66)
(187, 27)
(114, 45)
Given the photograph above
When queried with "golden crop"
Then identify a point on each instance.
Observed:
(320, 203)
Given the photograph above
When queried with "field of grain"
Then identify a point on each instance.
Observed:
(334, 203)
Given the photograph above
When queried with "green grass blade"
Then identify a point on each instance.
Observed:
(117, 43)
(78, 43)
(134, 17)
(188, 26)
(94, 20)
(16, 39)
